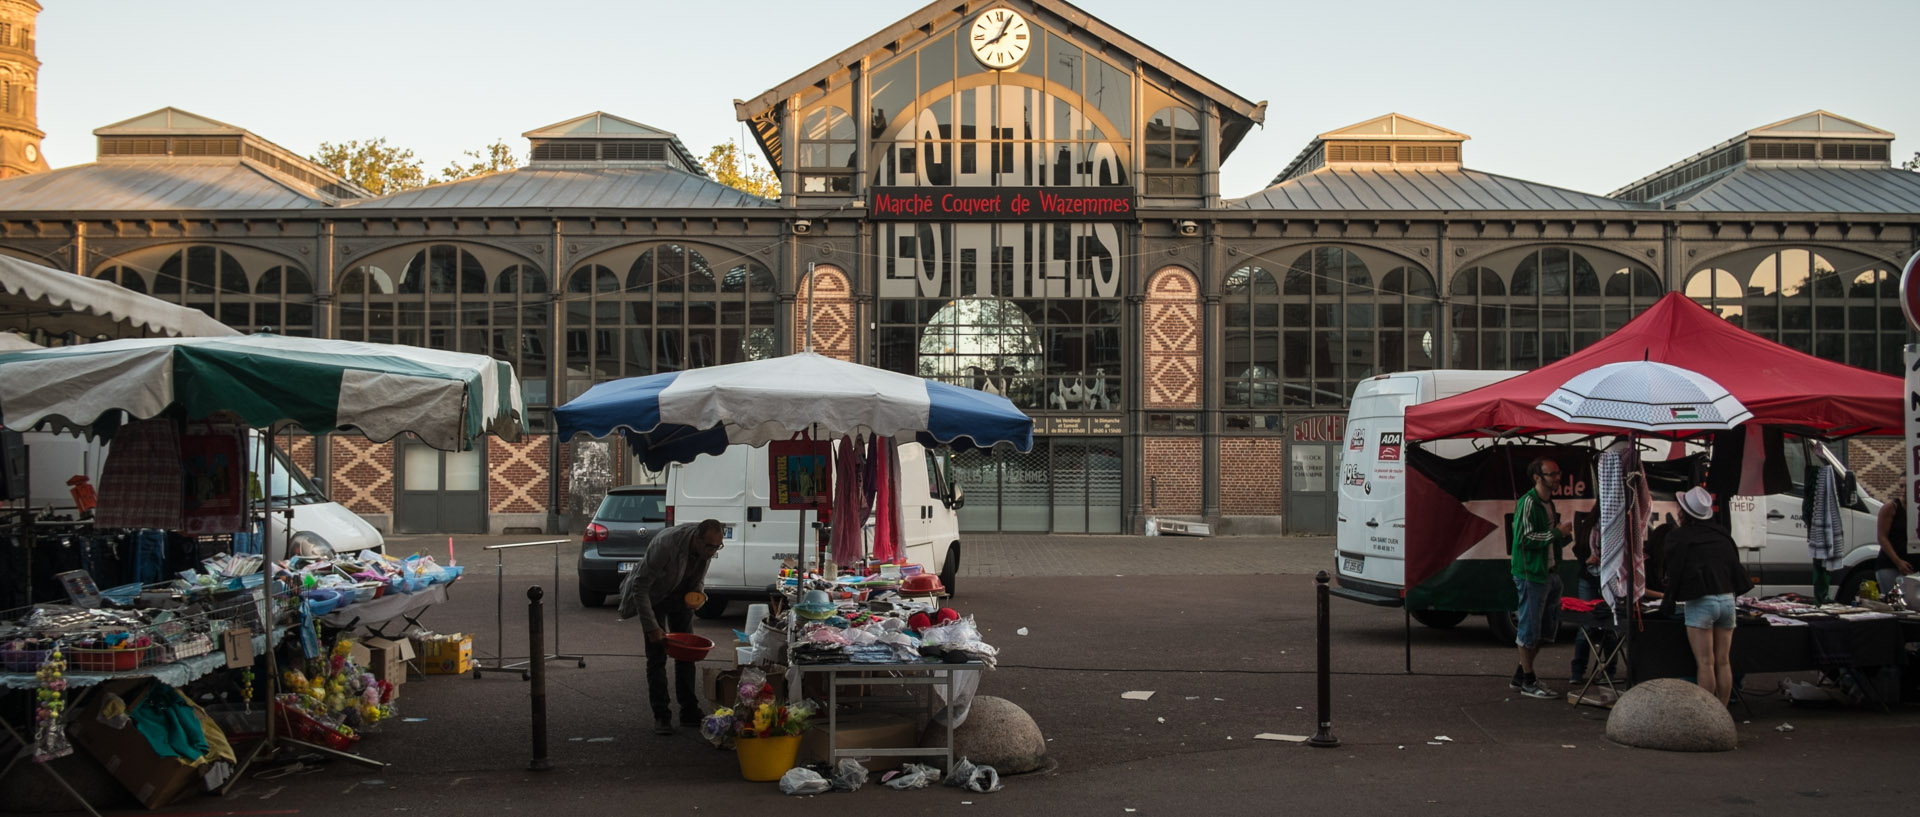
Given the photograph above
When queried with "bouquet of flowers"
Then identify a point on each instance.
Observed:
(757, 715)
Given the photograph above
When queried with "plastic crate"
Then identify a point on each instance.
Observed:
(23, 660)
(86, 660)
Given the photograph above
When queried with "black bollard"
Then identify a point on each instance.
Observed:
(1324, 737)
(537, 647)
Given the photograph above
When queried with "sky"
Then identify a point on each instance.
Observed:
(1584, 96)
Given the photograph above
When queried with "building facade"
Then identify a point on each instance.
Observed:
(1007, 195)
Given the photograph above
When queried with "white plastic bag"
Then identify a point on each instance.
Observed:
(912, 776)
(802, 780)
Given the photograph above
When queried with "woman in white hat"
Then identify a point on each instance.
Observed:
(1703, 571)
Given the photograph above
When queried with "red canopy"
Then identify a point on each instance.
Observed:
(1779, 385)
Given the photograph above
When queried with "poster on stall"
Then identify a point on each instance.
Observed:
(215, 501)
(800, 473)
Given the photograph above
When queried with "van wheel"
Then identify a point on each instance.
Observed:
(1504, 628)
(1849, 588)
(1439, 619)
(588, 598)
(714, 608)
(950, 572)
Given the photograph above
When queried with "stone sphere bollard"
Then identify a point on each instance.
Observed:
(997, 733)
(1672, 715)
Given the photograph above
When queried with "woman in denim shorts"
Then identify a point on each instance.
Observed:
(1703, 571)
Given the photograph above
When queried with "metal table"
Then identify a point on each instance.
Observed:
(929, 674)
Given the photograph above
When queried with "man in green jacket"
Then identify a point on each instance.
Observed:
(1538, 534)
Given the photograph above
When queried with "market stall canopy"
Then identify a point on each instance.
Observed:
(1781, 386)
(269, 381)
(677, 416)
(36, 297)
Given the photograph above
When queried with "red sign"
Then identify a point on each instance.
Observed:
(1001, 204)
(1323, 429)
(1390, 442)
(1910, 291)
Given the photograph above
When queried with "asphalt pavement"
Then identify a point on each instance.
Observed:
(1219, 630)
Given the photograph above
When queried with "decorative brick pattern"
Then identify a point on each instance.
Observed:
(1252, 477)
(517, 475)
(1173, 339)
(1876, 461)
(362, 477)
(833, 321)
(1173, 466)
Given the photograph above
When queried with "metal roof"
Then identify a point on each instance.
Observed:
(638, 188)
(1808, 189)
(1393, 189)
(158, 184)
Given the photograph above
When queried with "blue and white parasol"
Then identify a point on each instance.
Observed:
(676, 416)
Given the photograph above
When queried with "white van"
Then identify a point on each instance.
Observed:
(54, 458)
(1372, 523)
(734, 488)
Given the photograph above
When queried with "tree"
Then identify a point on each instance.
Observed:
(375, 165)
(1914, 164)
(497, 157)
(723, 162)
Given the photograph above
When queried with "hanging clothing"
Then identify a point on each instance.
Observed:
(141, 483)
(886, 502)
(1613, 527)
(847, 545)
(1824, 543)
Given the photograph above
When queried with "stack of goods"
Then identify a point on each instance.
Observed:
(882, 632)
(330, 583)
(165, 628)
(1793, 610)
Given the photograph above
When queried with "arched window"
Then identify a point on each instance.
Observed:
(1327, 323)
(1555, 304)
(447, 296)
(1478, 335)
(125, 276)
(283, 300)
(1835, 304)
(668, 314)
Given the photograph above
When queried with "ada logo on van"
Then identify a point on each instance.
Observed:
(1390, 445)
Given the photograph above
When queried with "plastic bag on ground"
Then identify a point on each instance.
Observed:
(802, 780)
(912, 776)
(967, 776)
(849, 775)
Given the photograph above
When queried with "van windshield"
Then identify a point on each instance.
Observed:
(633, 508)
(291, 486)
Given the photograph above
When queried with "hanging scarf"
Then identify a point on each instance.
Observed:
(847, 547)
(1823, 522)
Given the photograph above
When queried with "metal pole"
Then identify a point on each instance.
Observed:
(556, 611)
(1324, 737)
(536, 638)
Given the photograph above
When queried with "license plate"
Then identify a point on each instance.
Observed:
(627, 567)
(1353, 564)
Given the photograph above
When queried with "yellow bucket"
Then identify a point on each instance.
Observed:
(765, 759)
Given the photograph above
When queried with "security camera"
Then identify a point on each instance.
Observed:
(1188, 227)
(801, 225)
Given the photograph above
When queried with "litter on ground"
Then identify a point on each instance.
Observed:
(1138, 695)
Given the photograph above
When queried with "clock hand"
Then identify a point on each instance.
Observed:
(1003, 31)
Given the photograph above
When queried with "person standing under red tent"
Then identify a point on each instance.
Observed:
(1538, 534)
(1704, 574)
(1893, 561)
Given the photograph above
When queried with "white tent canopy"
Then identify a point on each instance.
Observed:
(37, 297)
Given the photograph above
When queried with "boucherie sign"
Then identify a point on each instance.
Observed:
(1001, 204)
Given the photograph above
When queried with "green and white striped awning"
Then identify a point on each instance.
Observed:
(271, 382)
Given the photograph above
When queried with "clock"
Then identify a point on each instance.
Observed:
(1000, 38)
(33, 153)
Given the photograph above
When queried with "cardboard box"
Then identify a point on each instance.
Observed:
(862, 730)
(390, 658)
(445, 655)
(154, 780)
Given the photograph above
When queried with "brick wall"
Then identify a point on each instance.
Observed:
(1252, 477)
(1174, 465)
(1876, 461)
(833, 314)
(362, 478)
(517, 475)
(1172, 319)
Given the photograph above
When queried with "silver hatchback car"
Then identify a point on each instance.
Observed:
(617, 539)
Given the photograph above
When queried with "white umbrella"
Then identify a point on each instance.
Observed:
(1646, 396)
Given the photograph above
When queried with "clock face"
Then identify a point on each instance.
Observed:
(1000, 38)
(33, 153)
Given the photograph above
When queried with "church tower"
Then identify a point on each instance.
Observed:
(19, 91)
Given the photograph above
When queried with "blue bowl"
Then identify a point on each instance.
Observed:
(324, 600)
